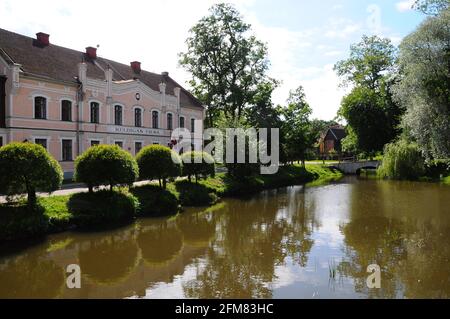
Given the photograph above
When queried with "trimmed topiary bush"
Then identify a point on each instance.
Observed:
(26, 168)
(102, 208)
(402, 160)
(105, 165)
(198, 164)
(155, 201)
(158, 162)
(20, 221)
(195, 195)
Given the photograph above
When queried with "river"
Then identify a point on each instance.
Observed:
(294, 242)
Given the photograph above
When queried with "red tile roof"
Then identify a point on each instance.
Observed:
(61, 64)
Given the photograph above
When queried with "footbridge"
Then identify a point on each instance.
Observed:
(352, 168)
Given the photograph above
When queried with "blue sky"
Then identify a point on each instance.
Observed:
(305, 38)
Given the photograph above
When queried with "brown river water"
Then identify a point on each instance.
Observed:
(294, 242)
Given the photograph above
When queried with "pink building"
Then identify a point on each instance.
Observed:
(68, 100)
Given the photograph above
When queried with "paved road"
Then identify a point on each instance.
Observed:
(68, 189)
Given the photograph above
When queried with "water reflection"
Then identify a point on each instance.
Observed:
(293, 242)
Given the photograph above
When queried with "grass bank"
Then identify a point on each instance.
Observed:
(60, 213)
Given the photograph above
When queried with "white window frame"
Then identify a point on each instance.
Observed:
(99, 111)
(121, 141)
(47, 100)
(34, 138)
(72, 113)
(134, 145)
(184, 117)
(190, 124)
(114, 113)
(4, 139)
(61, 148)
(159, 119)
(99, 140)
(173, 120)
(142, 116)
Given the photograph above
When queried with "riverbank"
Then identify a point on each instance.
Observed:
(54, 214)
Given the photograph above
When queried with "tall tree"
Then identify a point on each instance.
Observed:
(226, 62)
(431, 7)
(296, 126)
(369, 60)
(372, 115)
(424, 86)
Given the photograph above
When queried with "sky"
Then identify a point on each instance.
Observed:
(305, 38)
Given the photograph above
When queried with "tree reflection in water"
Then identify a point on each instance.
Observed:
(160, 242)
(109, 260)
(411, 247)
(32, 277)
(253, 238)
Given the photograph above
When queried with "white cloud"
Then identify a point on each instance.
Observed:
(155, 32)
(404, 6)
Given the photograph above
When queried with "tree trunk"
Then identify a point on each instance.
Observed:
(91, 189)
(164, 183)
(159, 180)
(31, 196)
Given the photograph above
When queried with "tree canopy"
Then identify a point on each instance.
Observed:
(424, 86)
(226, 62)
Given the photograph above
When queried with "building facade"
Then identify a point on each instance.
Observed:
(68, 100)
(331, 141)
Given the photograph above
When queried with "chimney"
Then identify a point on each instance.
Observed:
(136, 66)
(91, 52)
(43, 39)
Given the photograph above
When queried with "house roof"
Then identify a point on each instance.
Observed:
(61, 64)
(338, 132)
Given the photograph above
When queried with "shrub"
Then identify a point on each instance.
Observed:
(402, 160)
(105, 165)
(102, 208)
(158, 162)
(437, 168)
(194, 195)
(198, 164)
(21, 221)
(155, 201)
(27, 167)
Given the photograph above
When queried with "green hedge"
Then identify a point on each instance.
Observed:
(195, 195)
(20, 221)
(103, 208)
(155, 201)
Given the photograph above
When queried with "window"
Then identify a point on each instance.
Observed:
(95, 143)
(155, 119)
(41, 141)
(119, 143)
(66, 111)
(192, 125)
(1, 141)
(137, 117)
(137, 147)
(118, 115)
(95, 112)
(67, 150)
(169, 121)
(40, 108)
(182, 122)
